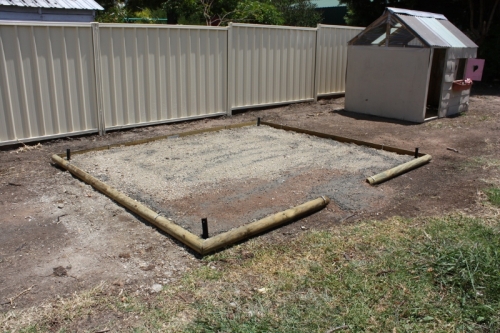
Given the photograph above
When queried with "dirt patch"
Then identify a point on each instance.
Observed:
(239, 175)
(49, 219)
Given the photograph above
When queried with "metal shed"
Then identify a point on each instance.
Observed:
(403, 66)
(49, 10)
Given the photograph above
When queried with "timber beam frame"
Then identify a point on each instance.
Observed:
(223, 240)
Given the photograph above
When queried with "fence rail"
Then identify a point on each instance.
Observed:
(61, 79)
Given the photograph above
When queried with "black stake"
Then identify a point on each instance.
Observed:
(68, 154)
(416, 152)
(204, 227)
(258, 121)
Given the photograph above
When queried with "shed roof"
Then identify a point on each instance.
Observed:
(434, 30)
(415, 13)
(66, 4)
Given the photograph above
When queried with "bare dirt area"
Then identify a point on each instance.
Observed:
(59, 236)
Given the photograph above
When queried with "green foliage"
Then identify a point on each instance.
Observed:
(150, 15)
(251, 11)
(274, 12)
(467, 268)
(118, 14)
(300, 13)
(188, 12)
(115, 14)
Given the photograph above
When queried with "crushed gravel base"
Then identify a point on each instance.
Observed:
(162, 172)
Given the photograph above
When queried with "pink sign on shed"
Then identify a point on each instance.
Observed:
(474, 69)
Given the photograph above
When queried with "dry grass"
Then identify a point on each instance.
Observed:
(26, 148)
(398, 274)
(372, 276)
(41, 316)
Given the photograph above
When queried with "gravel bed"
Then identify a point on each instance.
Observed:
(173, 169)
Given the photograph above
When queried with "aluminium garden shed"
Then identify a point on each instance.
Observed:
(403, 66)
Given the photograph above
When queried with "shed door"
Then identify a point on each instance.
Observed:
(388, 82)
(435, 80)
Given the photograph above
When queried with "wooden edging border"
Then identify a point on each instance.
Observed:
(162, 137)
(420, 158)
(205, 246)
(342, 139)
(202, 246)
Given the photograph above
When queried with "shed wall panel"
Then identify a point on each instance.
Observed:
(452, 102)
(47, 81)
(388, 82)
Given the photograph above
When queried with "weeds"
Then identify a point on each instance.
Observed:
(408, 275)
(493, 195)
(481, 162)
(429, 278)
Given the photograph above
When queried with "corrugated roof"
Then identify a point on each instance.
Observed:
(326, 3)
(415, 13)
(459, 34)
(437, 32)
(66, 4)
(422, 31)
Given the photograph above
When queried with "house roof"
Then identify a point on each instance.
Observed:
(434, 29)
(326, 3)
(66, 4)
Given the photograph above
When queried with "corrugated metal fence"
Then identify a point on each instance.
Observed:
(270, 65)
(156, 74)
(61, 79)
(332, 44)
(47, 81)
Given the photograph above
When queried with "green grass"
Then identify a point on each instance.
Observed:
(408, 275)
(443, 276)
(493, 195)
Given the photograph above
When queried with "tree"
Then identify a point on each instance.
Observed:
(262, 12)
(247, 11)
(114, 14)
(217, 12)
(221, 12)
(298, 12)
(480, 27)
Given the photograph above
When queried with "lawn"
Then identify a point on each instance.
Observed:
(396, 275)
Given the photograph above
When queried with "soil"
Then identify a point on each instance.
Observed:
(59, 236)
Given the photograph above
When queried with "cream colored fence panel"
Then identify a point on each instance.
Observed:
(47, 84)
(331, 58)
(270, 65)
(155, 74)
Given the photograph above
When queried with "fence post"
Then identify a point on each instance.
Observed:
(98, 80)
(317, 62)
(230, 71)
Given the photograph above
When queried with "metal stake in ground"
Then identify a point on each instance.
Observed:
(416, 152)
(258, 121)
(68, 154)
(204, 227)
